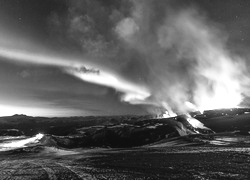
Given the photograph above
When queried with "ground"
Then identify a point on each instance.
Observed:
(134, 163)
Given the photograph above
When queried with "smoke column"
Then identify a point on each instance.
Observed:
(217, 76)
(191, 68)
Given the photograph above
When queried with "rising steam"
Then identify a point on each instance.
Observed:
(217, 77)
(191, 68)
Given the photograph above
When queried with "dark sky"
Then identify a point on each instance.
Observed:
(41, 39)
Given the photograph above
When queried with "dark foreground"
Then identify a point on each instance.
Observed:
(137, 163)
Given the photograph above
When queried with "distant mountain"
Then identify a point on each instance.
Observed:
(62, 126)
(137, 133)
(226, 120)
(130, 131)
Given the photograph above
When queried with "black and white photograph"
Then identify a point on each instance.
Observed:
(124, 89)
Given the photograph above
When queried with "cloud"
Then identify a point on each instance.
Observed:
(187, 55)
(88, 25)
(84, 70)
(132, 93)
(218, 76)
(152, 52)
(126, 28)
(24, 74)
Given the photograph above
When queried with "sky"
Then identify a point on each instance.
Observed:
(119, 57)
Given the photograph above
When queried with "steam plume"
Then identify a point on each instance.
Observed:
(218, 77)
(191, 67)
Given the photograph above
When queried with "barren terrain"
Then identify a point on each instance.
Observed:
(135, 163)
